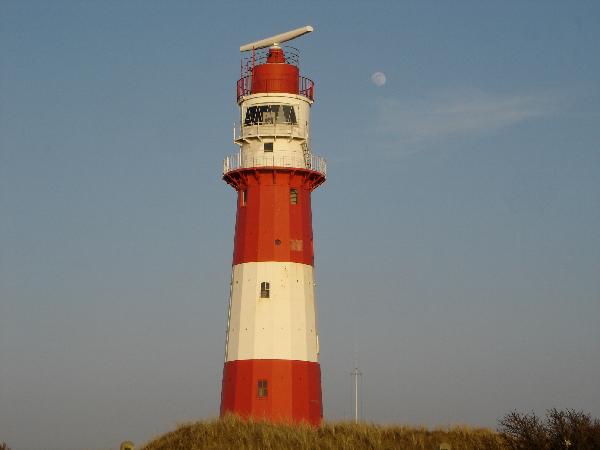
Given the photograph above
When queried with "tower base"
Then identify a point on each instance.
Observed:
(292, 392)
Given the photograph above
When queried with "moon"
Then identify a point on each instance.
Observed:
(378, 79)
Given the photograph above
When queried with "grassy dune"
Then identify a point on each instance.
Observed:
(233, 433)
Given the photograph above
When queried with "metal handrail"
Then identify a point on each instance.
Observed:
(291, 55)
(306, 87)
(269, 129)
(238, 161)
(244, 86)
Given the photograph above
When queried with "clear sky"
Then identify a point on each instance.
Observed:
(457, 238)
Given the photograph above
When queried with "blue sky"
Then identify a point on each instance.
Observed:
(457, 237)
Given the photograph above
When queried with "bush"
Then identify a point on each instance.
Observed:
(568, 429)
(523, 431)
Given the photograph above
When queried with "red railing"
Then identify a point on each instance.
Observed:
(257, 57)
(244, 86)
(306, 87)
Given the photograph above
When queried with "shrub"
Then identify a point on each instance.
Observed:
(523, 431)
(572, 429)
(568, 429)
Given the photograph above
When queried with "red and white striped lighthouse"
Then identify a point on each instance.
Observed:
(272, 347)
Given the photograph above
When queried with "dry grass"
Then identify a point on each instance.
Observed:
(234, 433)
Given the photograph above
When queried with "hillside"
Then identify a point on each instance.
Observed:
(233, 433)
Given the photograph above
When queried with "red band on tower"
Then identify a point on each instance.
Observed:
(276, 75)
(295, 386)
(261, 235)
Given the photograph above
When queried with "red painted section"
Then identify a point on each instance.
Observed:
(293, 390)
(275, 56)
(275, 75)
(268, 226)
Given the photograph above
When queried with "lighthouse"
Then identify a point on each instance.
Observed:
(272, 344)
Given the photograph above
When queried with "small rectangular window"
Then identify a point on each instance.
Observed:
(293, 196)
(244, 197)
(265, 290)
(262, 388)
(268, 147)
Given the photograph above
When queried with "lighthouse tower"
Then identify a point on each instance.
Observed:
(272, 347)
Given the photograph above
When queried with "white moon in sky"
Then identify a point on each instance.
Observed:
(378, 78)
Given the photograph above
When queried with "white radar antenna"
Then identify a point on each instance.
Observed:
(277, 39)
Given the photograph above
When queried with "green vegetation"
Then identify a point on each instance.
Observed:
(234, 433)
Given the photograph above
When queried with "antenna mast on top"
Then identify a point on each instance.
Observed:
(277, 39)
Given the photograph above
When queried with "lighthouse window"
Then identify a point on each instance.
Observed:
(270, 114)
(262, 388)
(268, 146)
(244, 197)
(289, 114)
(265, 289)
(293, 196)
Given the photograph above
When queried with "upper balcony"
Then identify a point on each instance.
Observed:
(275, 69)
(310, 162)
(243, 133)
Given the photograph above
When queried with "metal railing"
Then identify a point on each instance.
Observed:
(244, 86)
(306, 86)
(291, 55)
(269, 129)
(237, 161)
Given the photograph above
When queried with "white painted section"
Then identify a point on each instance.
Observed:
(301, 106)
(283, 326)
(291, 142)
(266, 97)
(277, 39)
(312, 162)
